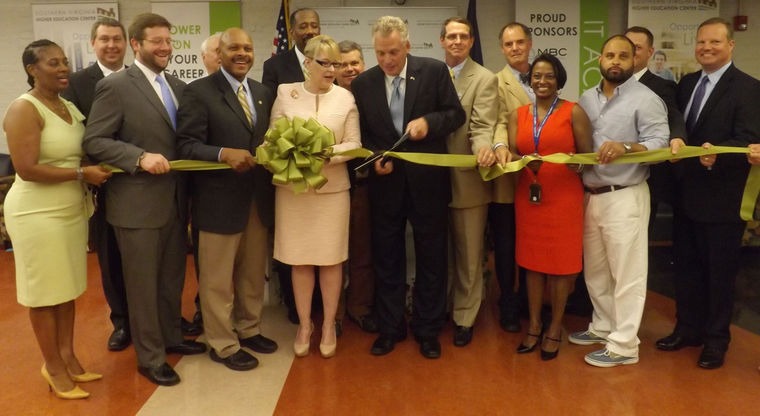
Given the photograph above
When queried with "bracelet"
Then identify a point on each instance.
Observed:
(80, 174)
(498, 145)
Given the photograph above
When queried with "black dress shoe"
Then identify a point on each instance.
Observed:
(675, 342)
(383, 345)
(462, 335)
(191, 329)
(119, 339)
(187, 347)
(163, 375)
(509, 321)
(259, 343)
(430, 347)
(711, 358)
(198, 318)
(239, 361)
(366, 323)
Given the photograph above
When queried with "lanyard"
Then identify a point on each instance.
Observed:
(537, 129)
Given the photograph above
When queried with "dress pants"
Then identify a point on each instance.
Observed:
(615, 255)
(501, 218)
(109, 260)
(153, 260)
(389, 255)
(466, 260)
(232, 277)
(361, 285)
(707, 259)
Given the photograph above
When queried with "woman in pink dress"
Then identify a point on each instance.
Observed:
(311, 228)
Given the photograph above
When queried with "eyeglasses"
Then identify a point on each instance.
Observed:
(327, 64)
(160, 41)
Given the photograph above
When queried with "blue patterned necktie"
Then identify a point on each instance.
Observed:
(397, 106)
(699, 95)
(166, 96)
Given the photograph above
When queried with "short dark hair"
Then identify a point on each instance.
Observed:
(642, 30)
(455, 19)
(302, 9)
(144, 21)
(32, 54)
(347, 46)
(524, 28)
(619, 37)
(559, 69)
(719, 21)
(106, 21)
(659, 52)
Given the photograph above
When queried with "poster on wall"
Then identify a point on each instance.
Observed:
(674, 26)
(69, 24)
(355, 23)
(192, 23)
(571, 30)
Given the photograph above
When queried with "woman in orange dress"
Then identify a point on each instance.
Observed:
(548, 199)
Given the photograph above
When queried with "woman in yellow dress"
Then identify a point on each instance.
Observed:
(46, 212)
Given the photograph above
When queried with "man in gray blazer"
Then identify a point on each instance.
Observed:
(132, 127)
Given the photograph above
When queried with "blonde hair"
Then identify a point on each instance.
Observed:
(322, 43)
(387, 24)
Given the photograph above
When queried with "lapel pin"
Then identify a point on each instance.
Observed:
(259, 102)
(411, 78)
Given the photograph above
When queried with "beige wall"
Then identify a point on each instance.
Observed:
(259, 18)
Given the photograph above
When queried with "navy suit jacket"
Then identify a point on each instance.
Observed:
(728, 118)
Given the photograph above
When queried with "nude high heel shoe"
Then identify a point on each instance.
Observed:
(75, 393)
(85, 377)
(302, 350)
(327, 350)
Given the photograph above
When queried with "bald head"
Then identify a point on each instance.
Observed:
(210, 53)
(236, 52)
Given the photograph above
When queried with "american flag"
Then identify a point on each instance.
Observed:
(282, 38)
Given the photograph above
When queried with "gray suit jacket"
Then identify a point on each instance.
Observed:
(128, 118)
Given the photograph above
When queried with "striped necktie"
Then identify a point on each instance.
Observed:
(451, 72)
(244, 103)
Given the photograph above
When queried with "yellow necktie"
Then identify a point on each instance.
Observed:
(451, 72)
(244, 103)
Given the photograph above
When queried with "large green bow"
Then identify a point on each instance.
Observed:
(294, 151)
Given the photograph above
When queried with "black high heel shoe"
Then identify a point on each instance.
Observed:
(524, 349)
(550, 355)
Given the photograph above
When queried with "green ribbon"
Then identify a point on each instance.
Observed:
(295, 151)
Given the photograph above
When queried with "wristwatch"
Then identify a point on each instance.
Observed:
(627, 147)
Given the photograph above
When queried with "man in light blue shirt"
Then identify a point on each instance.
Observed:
(626, 117)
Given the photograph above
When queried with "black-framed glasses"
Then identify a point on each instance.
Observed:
(327, 64)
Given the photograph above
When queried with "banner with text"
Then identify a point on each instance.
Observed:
(674, 26)
(355, 23)
(69, 24)
(571, 30)
(192, 23)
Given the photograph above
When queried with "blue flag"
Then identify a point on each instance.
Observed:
(475, 53)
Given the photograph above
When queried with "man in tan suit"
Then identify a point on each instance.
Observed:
(470, 195)
(516, 44)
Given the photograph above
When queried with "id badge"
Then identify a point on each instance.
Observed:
(534, 193)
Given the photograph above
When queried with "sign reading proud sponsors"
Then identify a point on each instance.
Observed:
(69, 24)
(355, 23)
(571, 30)
(674, 25)
(192, 23)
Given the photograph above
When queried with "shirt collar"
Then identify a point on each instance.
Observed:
(458, 68)
(234, 83)
(147, 71)
(640, 74)
(106, 71)
(620, 89)
(517, 74)
(402, 74)
(301, 57)
(714, 77)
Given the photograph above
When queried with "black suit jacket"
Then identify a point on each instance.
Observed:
(210, 117)
(728, 118)
(430, 94)
(282, 68)
(661, 180)
(81, 89)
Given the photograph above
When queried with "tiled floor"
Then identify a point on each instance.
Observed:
(486, 377)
